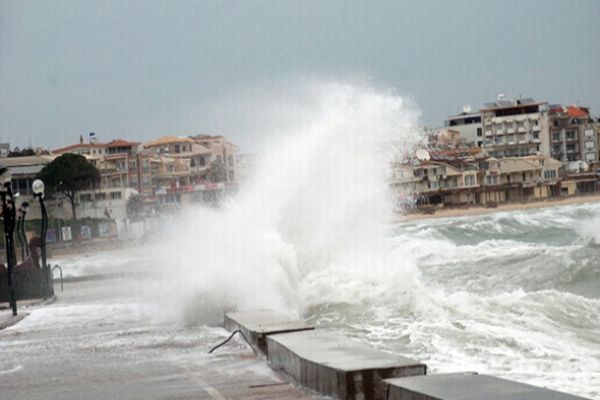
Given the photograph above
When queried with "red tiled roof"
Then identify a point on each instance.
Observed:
(577, 112)
(78, 146)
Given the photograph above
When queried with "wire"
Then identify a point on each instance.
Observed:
(229, 338)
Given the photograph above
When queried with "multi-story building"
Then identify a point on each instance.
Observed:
(185, 161)
(468, 125)
(122, 164)
(574, 135)
(447, 180)
(514, 128)
(519, 178)
(223, 155)
(450, 180)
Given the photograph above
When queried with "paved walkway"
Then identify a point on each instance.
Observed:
(97, 341)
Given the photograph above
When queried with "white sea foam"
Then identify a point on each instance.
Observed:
(314, 214)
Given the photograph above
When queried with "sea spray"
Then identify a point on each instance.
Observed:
(310, 225)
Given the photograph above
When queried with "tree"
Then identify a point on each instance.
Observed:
(135, 206)
(69, 174)
(16, 152)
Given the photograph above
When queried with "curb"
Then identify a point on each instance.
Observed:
(12, 321)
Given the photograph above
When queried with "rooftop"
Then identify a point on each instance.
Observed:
(167, 140)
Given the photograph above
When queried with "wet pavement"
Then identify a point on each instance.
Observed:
(100, 341)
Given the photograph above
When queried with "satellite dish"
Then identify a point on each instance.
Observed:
(501, 97)
(423, 155)
(467, 109)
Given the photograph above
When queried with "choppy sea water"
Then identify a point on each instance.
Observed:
(514, 294)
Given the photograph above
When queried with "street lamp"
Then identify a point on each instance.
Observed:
(21, 229)
(38, 191)
(8, 214)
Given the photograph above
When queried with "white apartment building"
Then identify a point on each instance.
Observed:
(515, 128)
(468, 125)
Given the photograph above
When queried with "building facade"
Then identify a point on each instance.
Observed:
(516, 128)
(468, 125)
(573, 133)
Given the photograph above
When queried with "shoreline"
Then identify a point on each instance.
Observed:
(448, 212)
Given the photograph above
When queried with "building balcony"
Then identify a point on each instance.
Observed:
(510, 130)
(500, 132)
(488, 133)
(535, 128)
(537, 140)
(521, 129)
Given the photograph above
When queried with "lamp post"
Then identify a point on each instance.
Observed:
(8, 215)
(38, 191)
(21, 229)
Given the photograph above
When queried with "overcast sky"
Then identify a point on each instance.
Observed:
(142, 69)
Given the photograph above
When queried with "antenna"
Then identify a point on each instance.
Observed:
(423, 155)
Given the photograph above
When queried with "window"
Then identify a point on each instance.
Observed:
(147, 180)
(550, 174)
(590, 156)
(202, 161)
(469, 180)
(230, 160)
(491, 179)
(556, 136)
(556, 148)
(536, 135)
(100, 196)
(479, 132)
(570, 135)
(85, 197)
(115, 195)
(571, 147)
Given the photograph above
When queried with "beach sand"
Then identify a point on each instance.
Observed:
(446, 212)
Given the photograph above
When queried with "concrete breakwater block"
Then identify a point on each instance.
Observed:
(467, 386)
(337, 366)
(258, 324)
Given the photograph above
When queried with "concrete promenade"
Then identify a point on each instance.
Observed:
(98, 341)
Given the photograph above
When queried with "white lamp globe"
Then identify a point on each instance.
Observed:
(38, 187)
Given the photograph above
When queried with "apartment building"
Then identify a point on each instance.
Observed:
(447, 180)
(121, 163)
(573, 133)
(518, 178)
(223, 153)
(468, 125)
(451, 180)
(185, 161)
(514, 128)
